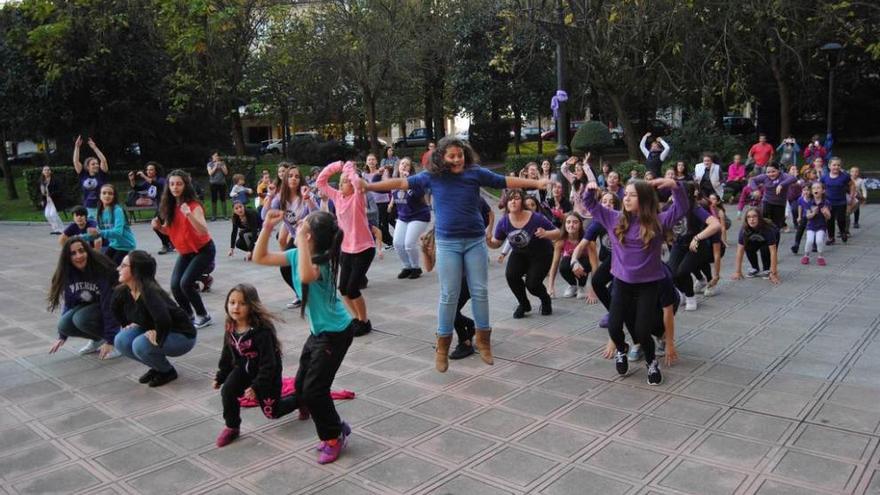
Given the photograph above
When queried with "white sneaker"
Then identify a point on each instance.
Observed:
(91, 347)
(113, 354)
(690, 304)
(202, 321)
(582, 292)
(294, 304)
(699, 285)
(709, 291)
(570, 291)
(681, 298)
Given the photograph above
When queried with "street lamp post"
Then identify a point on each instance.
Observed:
(832, 50)
(562, 120)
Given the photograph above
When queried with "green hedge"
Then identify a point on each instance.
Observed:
(66, 176)
(245, 165)
(515, 163)
(593, 136)
(624, 169)
(490, 139)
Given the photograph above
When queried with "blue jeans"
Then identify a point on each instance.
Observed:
(454, 258)
(132, 343)
(189, 268)
(85, 320)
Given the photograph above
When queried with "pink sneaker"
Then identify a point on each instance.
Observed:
(227, 436)
(329, 453)
(821, 261)
(805, 260)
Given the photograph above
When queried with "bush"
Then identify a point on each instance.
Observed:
(413, 152)
(244, 165)
(515, 163)
(592, 137)
(624, 169)
(66, 176)
(318, 154)
(490, 139)
(699, 134)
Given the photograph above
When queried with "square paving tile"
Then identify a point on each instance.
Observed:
(358, 411)
(731, 374)
(359, 450)
(594, 417)
(723, 393)
(558, 440)
(834, 442)
(732, 451)
(578, 480)
(134, 457)
(399, 393)
(69, 479)
(76, 421)
(30, 459)
(197, 435)
(499, 423)
(773, 487)
(831, 414)
(105, 436)
(288, 476)
(814, 470)
(695, 477)
(18, 437)
(628, 460)
(687, 411)
(625, 397)
(176, 478)
(455, 446)
(240, 454)
(446, 407)
(776, 403)
(401, 427)
(464, 484)
(757, 426)
(569, 384)
(516, 466)
(487, 388)
(169, 417)
(523, 374)
(402, 472)
(536, 402)
(659, 432)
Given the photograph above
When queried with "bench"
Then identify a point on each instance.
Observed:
(131, 212)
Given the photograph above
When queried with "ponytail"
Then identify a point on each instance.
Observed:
(327, 245)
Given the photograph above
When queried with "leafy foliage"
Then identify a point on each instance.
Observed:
(699, 134)
(66, 176)
(592, 137)
(490, 139)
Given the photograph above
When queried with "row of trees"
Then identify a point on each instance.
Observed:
(173, 75)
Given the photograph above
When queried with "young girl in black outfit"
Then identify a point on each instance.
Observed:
(250, 364)
(246, 224)
(598, 249)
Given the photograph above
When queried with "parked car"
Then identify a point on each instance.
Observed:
(417, 138)
(350, 139)
(738, 125)
(529, 133)
(572, 128)
(271, 146)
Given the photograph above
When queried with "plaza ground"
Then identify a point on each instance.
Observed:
(777, 391)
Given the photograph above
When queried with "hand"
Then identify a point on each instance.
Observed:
(92, 143)
(774, 278)
(695, 244)
(380, 254)
(248, 256)
(543, 183)
(826, 211)
(501, 258)
(647, 135)
(156, 224)
(272, 218)
(610, 350)
(152, 337)
(78, 142)
(571, 160)
(105, 350)
(250, 394)
(93, 231)
(215, 385)
(578, 270)
(671, 353)
(587, 159)
(736, 276)
(591, 296)
(778, 190)
(57, 345)
(305, 193)
(185, 209)
(756, 194)
(552, 292)
(592, 186)
(714, 281)
(231, 252)
(540, 233)
(131, 175)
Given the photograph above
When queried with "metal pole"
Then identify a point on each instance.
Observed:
(830, 96)
(562, 121)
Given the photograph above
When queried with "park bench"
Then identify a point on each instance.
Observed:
(131, 212)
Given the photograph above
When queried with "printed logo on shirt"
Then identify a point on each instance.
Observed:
(89, 183)
(519, 238)
(680, 228)
(151, 191)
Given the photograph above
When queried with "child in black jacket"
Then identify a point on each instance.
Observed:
(250, 364)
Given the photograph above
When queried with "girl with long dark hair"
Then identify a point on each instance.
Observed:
(758, 236)
(690, 246)
(294, 199)
(113, 226)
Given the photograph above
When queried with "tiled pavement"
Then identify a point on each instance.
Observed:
(777, 392)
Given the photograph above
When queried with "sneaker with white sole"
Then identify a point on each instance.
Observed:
(752, 273)
(710, 291)
(690, 303)
(699, 285)
(635, 353)
(113, 354)
(621, 362)
(654, 376)
(680, 298)
(202, 321)
(295, 303)
(91, 346)
(570, 291)
(582, 292)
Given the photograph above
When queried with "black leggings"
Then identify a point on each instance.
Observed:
(383, 224)
(801, 228)
(189, 268)
(600, 282)
(635, 303)
(704, 270)
(271, 403)
(246, 241)
(115, 255)
(534, 266)
(752, 250)
(774, 213)
(568, 274)
(319, 361)
(856, 214)
(838, 215)
(287, 271)
(683, 262)
(218, 191)
(353, 270)
(166, 241)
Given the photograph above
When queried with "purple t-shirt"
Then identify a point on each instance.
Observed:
(524, 239)
(411, 206)
(818, 222)
(294, 212)
(765, 233)
(74, 230)
(836, 188)
(770, 185)
(91, 187)
(691, 224)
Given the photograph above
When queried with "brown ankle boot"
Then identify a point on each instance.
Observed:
(483, 344)
(441, 357)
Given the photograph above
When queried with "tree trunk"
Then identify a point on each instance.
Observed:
(429, 110)
(402, 125)
(372, 130)
(784, 100)
(238, 133)
(517, 128)
(629, 132)
(11, 192)
(437, 107)
(540, 139)
(285, 123)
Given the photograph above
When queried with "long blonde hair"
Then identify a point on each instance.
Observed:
(649, 209)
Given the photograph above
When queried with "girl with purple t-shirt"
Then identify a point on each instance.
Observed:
(776, 184)
(637, 238)
(295, 201)
(837, 185)
(91, 176)
(530, 235)
(817, 211)
(413, 216)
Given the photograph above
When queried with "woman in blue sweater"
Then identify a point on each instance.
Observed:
(85, 279)
(454, 178)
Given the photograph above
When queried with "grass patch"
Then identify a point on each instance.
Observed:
(21, 208)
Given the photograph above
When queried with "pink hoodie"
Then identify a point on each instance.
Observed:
(351, 210)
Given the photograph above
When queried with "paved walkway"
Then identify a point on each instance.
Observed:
(777, 391)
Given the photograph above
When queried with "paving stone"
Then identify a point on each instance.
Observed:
(401, 427)
(874, 485)
(105, 437)
(732, 451)
(757, 426)
(29, 460)
(135, 457)
(558, 440)
(240, 454)
(536, 402)
(446, 407)
(399, 393)
(731, 374)
(576, 480)
(516, 466)
(773, 487)
(68, 479)
(402, 472)
(487, 388)
(345, 488)
(196, 435)
(832, 414)
(695, 477)
(465, 484)
(16, 438)
(594, 417)
(814, 470)
(169, 417)
(686, 411)
(625, 397)
(176, 478)
(569, 384)
(834, 442)
(776, 403)
(711, 391)
(499, 423)
(658, 432)
(455, 446)
(288, 476)
(628, 460)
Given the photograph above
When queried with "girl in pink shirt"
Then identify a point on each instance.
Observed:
(358, 247)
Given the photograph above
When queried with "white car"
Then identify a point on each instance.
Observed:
(349, 140)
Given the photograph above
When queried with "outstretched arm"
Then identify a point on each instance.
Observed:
(262, 256)
(517, 183)
(388, 185)
(642, 144)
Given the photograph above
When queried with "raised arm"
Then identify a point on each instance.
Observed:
(642, 144)
(105, 167)
(262, 256)
(666, 149)
(77, 165)
(680, 202)
(323, 181)
(388, 185)
(517, 183)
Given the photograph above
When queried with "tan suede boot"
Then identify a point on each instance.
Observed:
(441, 357)
(483, 344)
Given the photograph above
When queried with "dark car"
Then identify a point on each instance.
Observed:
(418, 138)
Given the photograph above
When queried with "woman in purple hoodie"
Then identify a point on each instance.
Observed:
(776, 184)
(636, 235)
